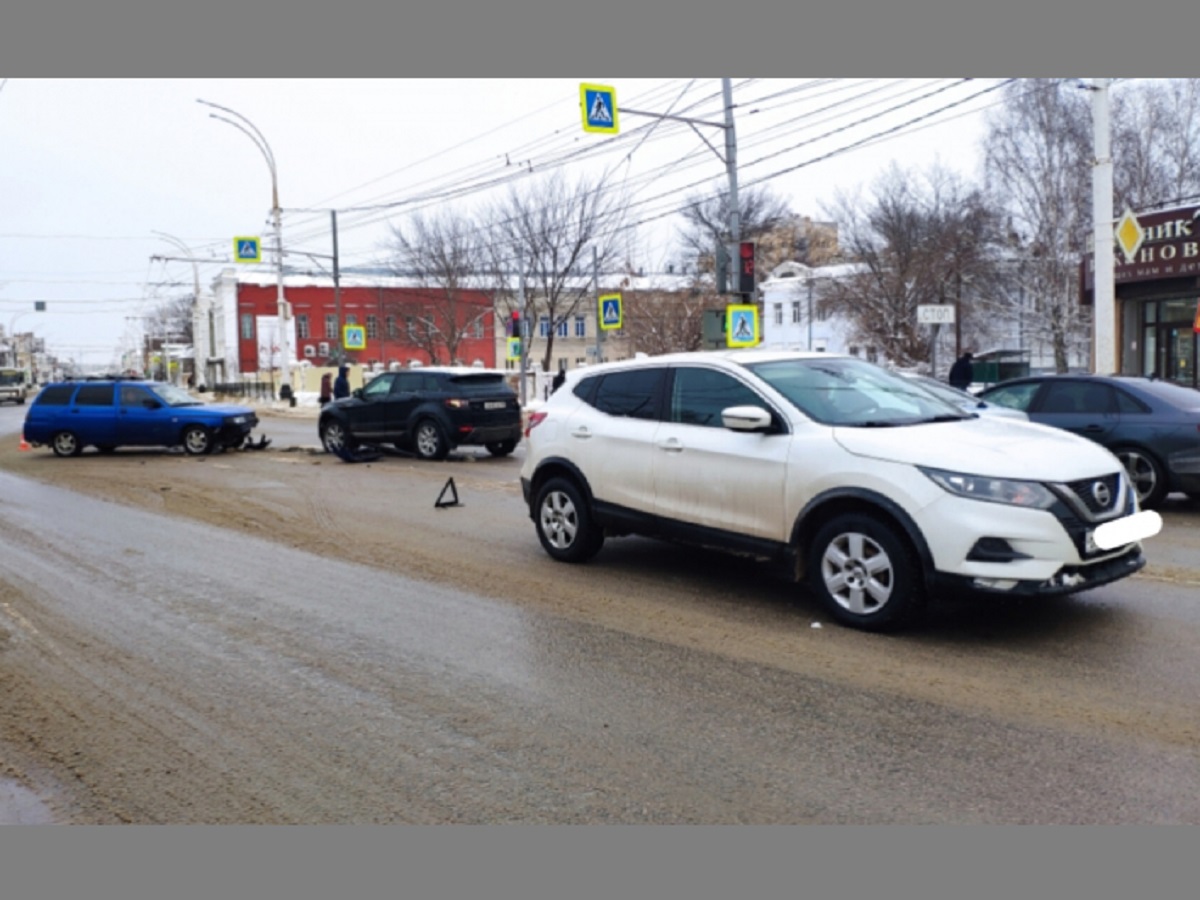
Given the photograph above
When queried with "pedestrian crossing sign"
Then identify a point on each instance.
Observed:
(741, 325)
(599, 105)
(514, 349)
(354, 337)
(610, 311)
(247, 249)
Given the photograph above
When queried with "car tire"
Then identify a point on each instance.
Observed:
(864, 573)
(1146, 474)
(429, 441)
(501, 448)
(564, 522)
(335, 436)
(197, 440)
(65, 443)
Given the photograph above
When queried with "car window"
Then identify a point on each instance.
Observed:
(1128, 404)
(95, 395)
(378, 386)
(483, 384)
(1077, 397)
(56, 395)
(633, 393)
(699, 395)
(407, 382)
(852, 392)
(132, 395)
(1014, 396)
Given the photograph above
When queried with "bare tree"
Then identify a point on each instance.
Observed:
(917, 240)
(444, 254)
(662, 321)
(553, 229)
(1156, 142)
(1038, 161)
(706, 221)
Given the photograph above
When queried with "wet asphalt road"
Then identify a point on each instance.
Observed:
(213, 677)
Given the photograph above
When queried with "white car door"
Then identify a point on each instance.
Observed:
(706, 474)
(611, 438)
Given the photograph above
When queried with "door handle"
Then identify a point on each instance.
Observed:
(671, 445)
(581, 432)
(1094, 429)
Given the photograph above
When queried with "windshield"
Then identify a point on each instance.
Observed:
(854, 393)
(11, 376)
(945, 391)
(173, 396)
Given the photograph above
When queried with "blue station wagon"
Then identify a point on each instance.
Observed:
(71, 415)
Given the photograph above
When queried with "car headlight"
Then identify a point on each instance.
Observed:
(993, 490)
(237, 420)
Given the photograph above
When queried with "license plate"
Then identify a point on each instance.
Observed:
(494, 404)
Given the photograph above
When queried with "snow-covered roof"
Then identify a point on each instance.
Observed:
(608, 282)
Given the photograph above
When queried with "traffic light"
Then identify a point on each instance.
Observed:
(516, 324)
(745, 270)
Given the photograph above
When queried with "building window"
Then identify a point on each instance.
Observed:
(795, 311)
(373, 327)
(477, 327)
(410, 328)
(302, 325)
(351, 319)
(543, 326)
(872, 355)
(580, 326)
(778, 313)
(561, 330)
(822, 312)
(247, 326)
(391, 327)
(331, 327)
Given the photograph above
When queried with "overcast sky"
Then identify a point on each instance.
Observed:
(93, 168)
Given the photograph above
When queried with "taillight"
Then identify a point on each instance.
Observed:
(535, 419)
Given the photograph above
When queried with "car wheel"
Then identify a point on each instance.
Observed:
(197, 440)
(429, 441)
(64, 443)
(564, 522)
(334, 436)
(1145, 474)
(501, 448)
(864, 573)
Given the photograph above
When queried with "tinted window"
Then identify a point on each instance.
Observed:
(134, 396)
(1014, 396)
(1077, 397)
(95, 395)
(56, 395)
(379, 386)
(1129, 404)
(484, 383)
(633, 393)
(699, 395)
(1175, 394)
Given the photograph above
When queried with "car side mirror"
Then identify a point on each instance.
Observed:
(356, 393)
(151, 404)
(746, 418)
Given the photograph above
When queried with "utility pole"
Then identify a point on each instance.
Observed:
(596, 288)
(337, 289)
(1104, 359)
(522, 324)
(735, 216)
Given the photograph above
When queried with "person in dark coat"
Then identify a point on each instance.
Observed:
(962, 373)
(558, 380)
(341, 384)
(326, 388)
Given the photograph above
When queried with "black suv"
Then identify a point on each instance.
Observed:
(429, 410)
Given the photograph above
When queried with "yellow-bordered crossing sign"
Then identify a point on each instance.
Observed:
(354, 337)
(599, 106)
(247, 249)
(741, 325)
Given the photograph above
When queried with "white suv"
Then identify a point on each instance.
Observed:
(873, 491)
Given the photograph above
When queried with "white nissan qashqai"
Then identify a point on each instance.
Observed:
(872, 490)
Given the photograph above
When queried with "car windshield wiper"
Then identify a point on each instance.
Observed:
(945, 418)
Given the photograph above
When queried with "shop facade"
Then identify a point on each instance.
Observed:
(1156, 278)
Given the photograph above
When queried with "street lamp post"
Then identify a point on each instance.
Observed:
(249, 129)
(198, 305)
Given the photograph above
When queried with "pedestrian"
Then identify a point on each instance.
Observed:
(326, 388)
(341, 384)
(558, 380)
(962, 373)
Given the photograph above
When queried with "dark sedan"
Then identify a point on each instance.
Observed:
(1152, 426)
(427, 410)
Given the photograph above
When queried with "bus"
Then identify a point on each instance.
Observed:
(14, 384)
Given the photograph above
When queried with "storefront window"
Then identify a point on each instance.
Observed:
(1150, 347)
